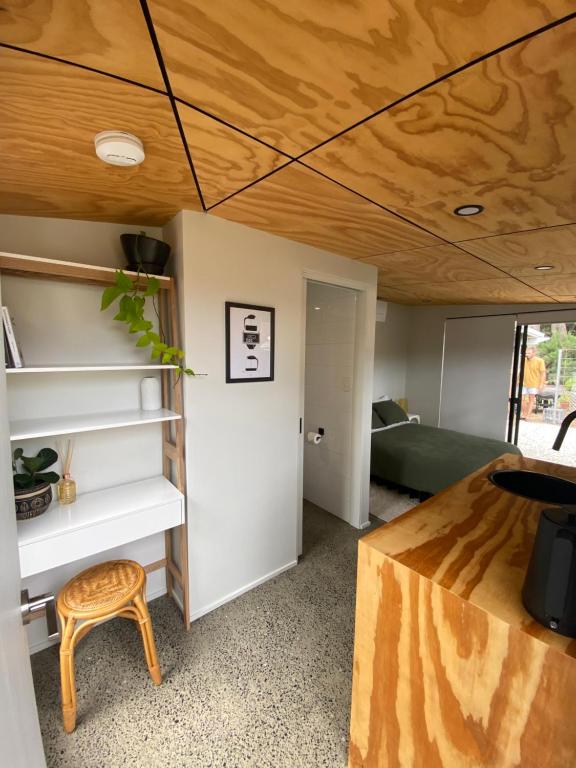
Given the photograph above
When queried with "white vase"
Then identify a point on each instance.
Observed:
(150, 394)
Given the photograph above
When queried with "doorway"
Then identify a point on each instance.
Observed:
(331, 316)
(544, 390)
(334, 329)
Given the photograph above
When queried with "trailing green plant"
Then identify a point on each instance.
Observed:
(131, 296)
(32, 467)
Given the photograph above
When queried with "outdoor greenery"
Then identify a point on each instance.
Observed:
(548, 351)
(132, 296)
(32, 467)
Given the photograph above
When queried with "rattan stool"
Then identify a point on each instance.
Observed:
(99, 593)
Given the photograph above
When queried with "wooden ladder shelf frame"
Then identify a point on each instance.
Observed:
(173, 459)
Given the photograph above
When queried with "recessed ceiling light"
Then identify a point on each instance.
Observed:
(316, 307)
(544, 266)
(468, 210)
(119, 148)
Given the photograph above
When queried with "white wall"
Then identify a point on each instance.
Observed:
(86, 242)
(476, 375)
(243, 442)
(425, 350)
(61, 322)
(391, 351)
(329, 380)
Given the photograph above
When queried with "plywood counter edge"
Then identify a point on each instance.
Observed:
(474, 540)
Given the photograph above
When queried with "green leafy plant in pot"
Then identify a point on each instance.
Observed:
(32, 486)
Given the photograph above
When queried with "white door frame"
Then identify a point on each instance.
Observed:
(361, 394)
(19, 729)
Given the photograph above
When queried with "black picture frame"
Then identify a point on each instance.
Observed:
(250, 344)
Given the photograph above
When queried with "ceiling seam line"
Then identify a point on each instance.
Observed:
(406, 289)
(527, 285)
(441, 79)
(164, 72)
(445, 242)
(389, 211)
(458, 70)
(84, 67)
(252, 183)
(339, 184)
(519, 232)
(414, 224)
(378, 205)
(241, 131)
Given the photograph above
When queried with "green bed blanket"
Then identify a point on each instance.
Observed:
(428, 459)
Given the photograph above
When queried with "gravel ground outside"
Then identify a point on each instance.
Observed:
(535, 441)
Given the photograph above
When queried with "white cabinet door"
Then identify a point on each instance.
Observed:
(476, 373)
(19, 729)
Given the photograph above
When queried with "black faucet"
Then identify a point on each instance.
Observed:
(563, 429)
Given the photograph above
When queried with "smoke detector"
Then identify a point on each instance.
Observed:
(119, 148)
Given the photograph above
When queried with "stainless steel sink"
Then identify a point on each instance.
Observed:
(536, 486)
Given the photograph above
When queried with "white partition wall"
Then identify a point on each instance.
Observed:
(476, 372)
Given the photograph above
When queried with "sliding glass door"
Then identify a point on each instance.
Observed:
(515, 400)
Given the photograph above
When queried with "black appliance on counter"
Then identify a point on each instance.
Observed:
(549, 592)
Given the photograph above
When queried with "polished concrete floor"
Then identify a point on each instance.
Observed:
(263, 681)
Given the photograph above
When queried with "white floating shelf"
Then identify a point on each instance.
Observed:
(96, 522)
(89, 368)
(25, 429)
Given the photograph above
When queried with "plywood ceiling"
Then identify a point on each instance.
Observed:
(356, 127)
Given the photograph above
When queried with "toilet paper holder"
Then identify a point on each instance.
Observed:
(315, 437)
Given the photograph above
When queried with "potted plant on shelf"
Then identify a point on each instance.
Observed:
(145, 254)
(32, 486)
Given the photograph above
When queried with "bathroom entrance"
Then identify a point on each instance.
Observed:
(329, 396)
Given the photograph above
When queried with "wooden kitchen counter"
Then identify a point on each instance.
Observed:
(450, 671)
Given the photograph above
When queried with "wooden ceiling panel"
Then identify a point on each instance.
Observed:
(294, 74)
(109, 35)
(500, 133)
(510, 206)
(50, 115)
(561, 286)
(224, 159)
(298, 204)
(439, 264)
(506, 290)
(520, 253)
(387, 293)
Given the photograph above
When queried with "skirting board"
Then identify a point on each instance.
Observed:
(42, 644)
(237, 592)
(152, 595)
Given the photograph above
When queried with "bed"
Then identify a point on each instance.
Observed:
(425, 459)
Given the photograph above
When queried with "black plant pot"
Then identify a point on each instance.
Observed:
(145, 253)
(31, 502)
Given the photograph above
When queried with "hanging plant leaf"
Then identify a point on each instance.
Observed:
(123, 281)
(131, 309)
(109, 296)
(153, 287)
(144, 341)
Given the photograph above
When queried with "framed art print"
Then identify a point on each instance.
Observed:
(249, 343)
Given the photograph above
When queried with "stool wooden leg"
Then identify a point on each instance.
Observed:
(145, 624)
(67, 677)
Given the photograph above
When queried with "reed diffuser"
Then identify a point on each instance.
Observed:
(66, 486)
